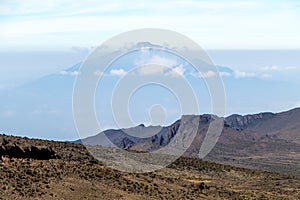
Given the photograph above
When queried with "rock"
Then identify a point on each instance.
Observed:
(125, 143)
(16, 151)
(13, 150)
(202, 186)
(242, 122)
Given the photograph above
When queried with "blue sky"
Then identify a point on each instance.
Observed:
(214, 24)
(72, 27)
(258, 41)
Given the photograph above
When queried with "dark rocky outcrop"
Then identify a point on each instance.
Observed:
(242, 122)
(33, 152)
(125, 143)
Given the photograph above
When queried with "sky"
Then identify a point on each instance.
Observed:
(256, 40)
(40, 30)
(214, 24)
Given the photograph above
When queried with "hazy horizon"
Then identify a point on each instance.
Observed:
(41, 42)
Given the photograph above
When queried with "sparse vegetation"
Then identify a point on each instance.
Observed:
(75, 174)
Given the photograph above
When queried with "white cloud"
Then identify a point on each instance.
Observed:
(163, 61)
(241, 74)
(69, 16)
(177, 71)
(159, 60)
(277, 68)
(75, 20)
(208, 74)
(159, 65)
(57, 7)
(151, 70)
(225, 74)
(298, 104)
(68, 73)
(118, 72)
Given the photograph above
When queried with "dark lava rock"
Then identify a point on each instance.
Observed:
(16, 151)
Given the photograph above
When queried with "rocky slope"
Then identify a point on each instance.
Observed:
(268, 141)
(75, 174)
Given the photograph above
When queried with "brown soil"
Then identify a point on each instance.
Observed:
(75, 174)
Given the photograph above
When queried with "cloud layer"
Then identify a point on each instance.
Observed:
(60, 23)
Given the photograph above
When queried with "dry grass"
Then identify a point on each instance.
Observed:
(77, 175)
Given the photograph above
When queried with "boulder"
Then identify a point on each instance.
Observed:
(34, 152)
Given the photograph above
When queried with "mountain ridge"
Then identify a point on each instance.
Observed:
(248, 141)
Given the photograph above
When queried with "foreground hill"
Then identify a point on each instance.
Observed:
(67, 171)
(266, 141)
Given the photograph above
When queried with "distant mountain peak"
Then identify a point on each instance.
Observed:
(148, 45)
(141, 125)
